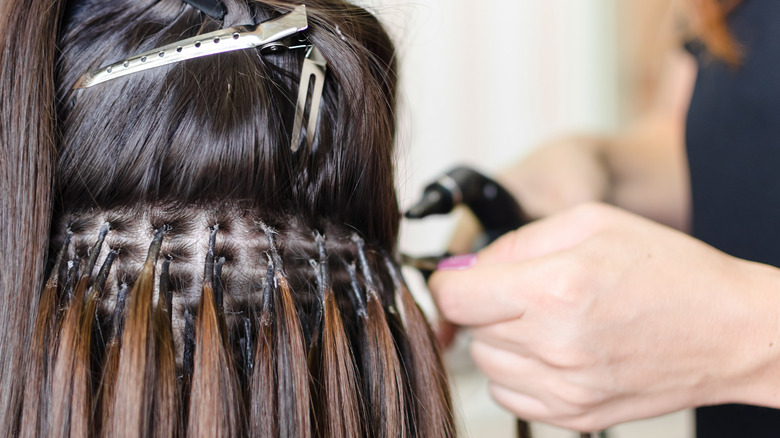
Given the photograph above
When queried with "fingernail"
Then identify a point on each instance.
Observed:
(457, 263)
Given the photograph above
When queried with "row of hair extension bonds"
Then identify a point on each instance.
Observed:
(383, 379)
(434, 414)
(36, 404)
(373, 371)
(215, 404)
(338, 390)
(131, 411)
(287, 343)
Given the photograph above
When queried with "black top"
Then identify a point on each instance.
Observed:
(733, 142)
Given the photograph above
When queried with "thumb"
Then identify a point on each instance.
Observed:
(488, 293)
(500, 281)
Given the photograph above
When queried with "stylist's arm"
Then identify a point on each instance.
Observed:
(594, 316)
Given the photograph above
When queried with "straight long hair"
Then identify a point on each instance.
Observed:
(129, 175)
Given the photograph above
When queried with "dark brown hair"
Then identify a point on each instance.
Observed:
(203, 286)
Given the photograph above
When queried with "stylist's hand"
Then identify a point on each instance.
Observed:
(595, 316)
(555, 177)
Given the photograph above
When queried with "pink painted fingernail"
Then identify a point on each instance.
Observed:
(457, 263)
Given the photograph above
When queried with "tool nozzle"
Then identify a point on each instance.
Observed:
(432, 202)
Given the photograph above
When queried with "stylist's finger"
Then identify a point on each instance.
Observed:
(490, 293)
(480, 295)
(517, 372)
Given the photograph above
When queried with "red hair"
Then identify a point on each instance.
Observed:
(711, 27)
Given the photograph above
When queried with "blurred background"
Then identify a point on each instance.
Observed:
(483, 83)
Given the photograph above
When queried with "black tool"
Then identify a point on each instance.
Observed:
(213, 8)
(496, 210)
(494, 207)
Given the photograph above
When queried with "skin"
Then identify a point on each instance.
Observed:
(592, 317)
(599, 314)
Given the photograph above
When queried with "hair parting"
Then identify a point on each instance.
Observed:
(382, 370)
(215, 405)
(132, 403)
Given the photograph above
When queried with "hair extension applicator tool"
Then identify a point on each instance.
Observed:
(493, 206)
(496, 210)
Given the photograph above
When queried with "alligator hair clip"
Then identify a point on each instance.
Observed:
(267, 36)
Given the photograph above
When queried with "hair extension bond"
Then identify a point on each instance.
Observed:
(205, 278)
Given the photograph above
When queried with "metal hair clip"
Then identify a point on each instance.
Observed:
(267, 35)
(314, 68)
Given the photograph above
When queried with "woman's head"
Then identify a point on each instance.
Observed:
(210, 279)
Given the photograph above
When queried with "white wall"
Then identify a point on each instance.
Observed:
(482, 82)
